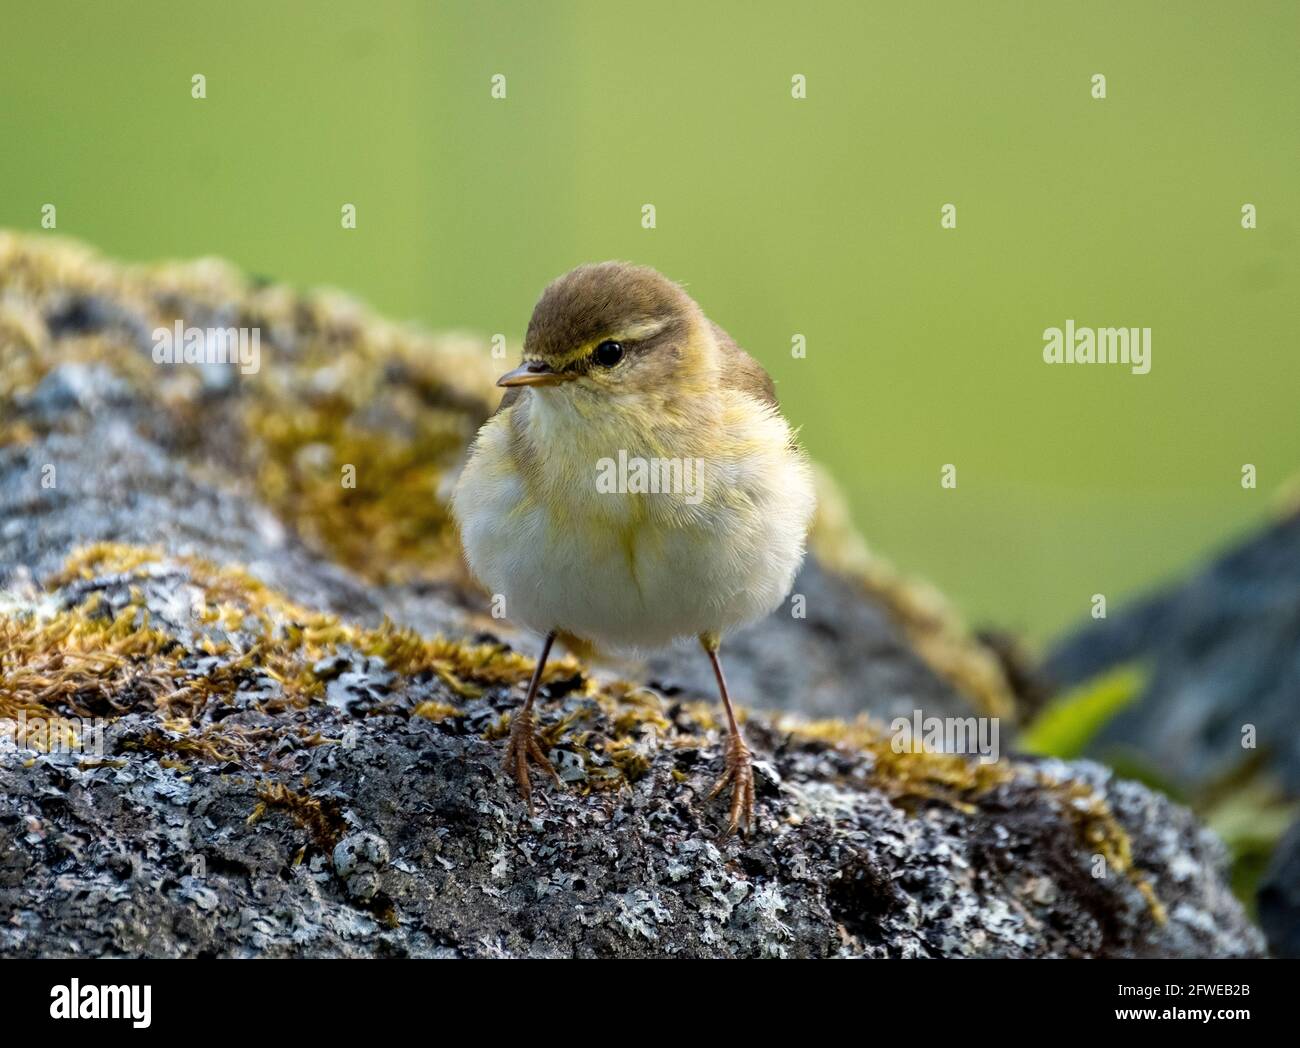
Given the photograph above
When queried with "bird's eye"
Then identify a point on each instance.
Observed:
(609, 353)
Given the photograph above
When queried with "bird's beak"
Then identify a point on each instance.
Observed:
(531, 373)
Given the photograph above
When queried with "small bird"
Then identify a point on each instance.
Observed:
(637, 485)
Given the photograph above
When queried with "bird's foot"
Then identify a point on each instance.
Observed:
(739, 774)
(523, 747)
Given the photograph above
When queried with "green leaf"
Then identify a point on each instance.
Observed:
(1069, 722)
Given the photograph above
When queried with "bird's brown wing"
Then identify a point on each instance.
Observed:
(742, 372)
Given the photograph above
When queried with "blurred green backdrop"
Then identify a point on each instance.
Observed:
(818, 216)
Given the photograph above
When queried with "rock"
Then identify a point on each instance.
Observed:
(359, 862)
(1279, 897)
(75, 386)
(290, 703)
(1224, 652)
(288, 825)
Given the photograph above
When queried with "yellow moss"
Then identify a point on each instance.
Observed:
(78, 658)
(707, 715)
(627, 758)
(389, 524)
(15, 433)
(498, 729)
(292, 637)
(552, 733)
(631, 707)
(602, 780)
(923, 774)
(101, 558)
(436, 711)
(1099, 830)
(322, 821)
(217, 747)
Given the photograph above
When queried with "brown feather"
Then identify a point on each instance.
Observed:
(742, 372)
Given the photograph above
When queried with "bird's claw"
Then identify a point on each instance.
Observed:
(521, 748)
(739, 773)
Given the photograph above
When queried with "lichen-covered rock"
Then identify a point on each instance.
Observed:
(254, 711)
(275, 781)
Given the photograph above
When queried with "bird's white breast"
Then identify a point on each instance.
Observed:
(633, 570)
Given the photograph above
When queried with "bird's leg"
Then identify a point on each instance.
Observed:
(523, 745)
(739, 765)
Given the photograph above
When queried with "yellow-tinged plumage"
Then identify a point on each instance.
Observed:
(637, 485)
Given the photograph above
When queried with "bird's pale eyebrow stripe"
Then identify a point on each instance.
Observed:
(639, 332)
(645, 329)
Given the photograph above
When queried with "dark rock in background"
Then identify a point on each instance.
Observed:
(1225, 652)
(1223, 649)
(1279, 897)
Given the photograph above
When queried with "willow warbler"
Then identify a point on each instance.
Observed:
(637, 485)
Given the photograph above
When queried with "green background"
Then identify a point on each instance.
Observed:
(818, 216)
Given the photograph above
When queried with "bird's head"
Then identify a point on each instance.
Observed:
(613, 327)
